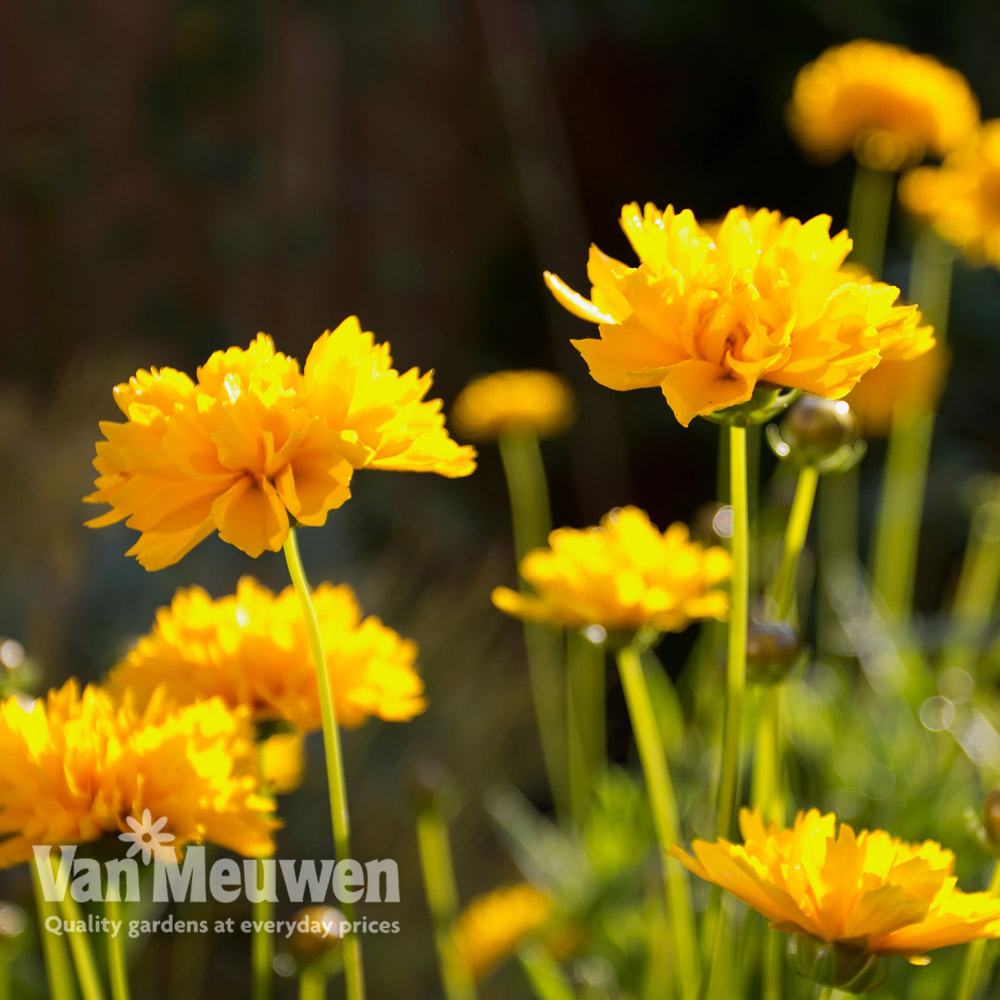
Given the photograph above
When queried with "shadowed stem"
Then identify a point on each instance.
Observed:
(585, 720)
(79, 946)
(664, 804)
(312, 984)
(974, 971)
(868, 217)
(58, 971)
(783, 592)
(117, 966)
(353, 969)
(262, 940)
(548, 982)
(442, 900)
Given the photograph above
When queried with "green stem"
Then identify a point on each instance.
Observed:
(868, 217)
(664, 805)
(548, 982)
(783, 592)
(824, 993)
(262, 940)
(736, 650)
(442, 900)
(58, 970)
(353, 969)
(312, 984)
(117, 965)
(532, 522)
(585, 720)
(79, 946)
(973, 970)
(837, 547)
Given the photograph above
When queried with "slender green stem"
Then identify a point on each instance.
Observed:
(783, 592)
(548, 982)
(837, 548)
(312, 984)
(931, 272)
(442, 900)
(585, 720)
(353, 969)
(973, 970)
(58, 970)
(824, 993)
(665, 819)
(79, 946)
(532, 521)
(117, 964)
(736, 649)
(262, 940)
(868, 216)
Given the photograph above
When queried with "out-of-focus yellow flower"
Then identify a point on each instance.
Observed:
(79, 765)
(868, 892)
(282, 762)
(882, 102)
(252, 649)
(493, 926)
(507, 402)
(710, 313)
(254, 442)
(623, 575)
(961, 198)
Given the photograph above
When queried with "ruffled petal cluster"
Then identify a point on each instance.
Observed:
(868, 891)
(711, 313)
(79, 764)
(961, 198)
(537, 402)
(252, 649)
(882, 102)
(623, 575)
(254, 442)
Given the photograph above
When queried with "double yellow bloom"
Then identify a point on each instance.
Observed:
(254, 441)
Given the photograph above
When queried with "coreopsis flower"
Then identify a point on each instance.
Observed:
(868, 895)
(961, 198)
(282, 762)
(253, 442)
(493, 926)
(882, 102)
(711, 313)
(79, 765)
(252, 649)
(624, 575)
(490, 406)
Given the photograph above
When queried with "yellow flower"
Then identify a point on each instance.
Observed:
(882, 102)
(868, 893)
(623, 575)
(282, 762)
(710, 313)
(252, 649)
(254, 441)
(493, 926)
(78, 765)
(961, 198)
(512, 401)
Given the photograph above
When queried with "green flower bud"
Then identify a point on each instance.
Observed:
(773, 650)
(317, 934)
(847, 969)
(819, 432)
(991, 817)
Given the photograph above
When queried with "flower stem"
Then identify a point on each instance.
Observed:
(58, 971)
(117, 965)
(585, 720)
(736, 652)
(973, 971)
(868, 216)
(548, 982)
(664, 804)
(824, 993)
(783, 592)
(312, 984)
(353, 969)
(837, 548)
(262, 941)
(442, 900)
(79, 946)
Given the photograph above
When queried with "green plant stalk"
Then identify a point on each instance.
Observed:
(532, 522)
(442, 900)
(117, 965)
(58, 970)
(783, 591)
(548, 982)
(585, 720)
(824, 993)
(978, 583)
(665, 819)
(262, 941)
(83, 956)
(868, 216)
(974, 969)
(312, 984)
(837, 545)
(353, 968)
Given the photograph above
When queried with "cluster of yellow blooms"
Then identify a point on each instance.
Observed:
(513, 401)
(255, 441)
(252, 649)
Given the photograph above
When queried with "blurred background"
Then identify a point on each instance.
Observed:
(175, 177)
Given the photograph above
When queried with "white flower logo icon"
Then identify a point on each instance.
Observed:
(148, 837)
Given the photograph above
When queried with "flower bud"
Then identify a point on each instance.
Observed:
(317, 934)
(837, 966)
(773, 650)
(991, 817)
(430, 784)
(817, 431)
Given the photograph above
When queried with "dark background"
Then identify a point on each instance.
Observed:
(175, 177)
